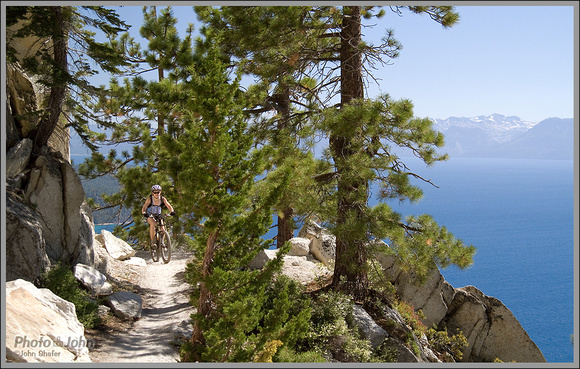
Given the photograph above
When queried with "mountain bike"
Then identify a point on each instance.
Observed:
(162, 243)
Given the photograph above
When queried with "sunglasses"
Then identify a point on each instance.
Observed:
(156, 192)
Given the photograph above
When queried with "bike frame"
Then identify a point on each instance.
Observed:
(162, 239)
(159, 223)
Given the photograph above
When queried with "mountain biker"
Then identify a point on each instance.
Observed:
(153, 206)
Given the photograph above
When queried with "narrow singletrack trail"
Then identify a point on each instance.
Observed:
(165, 316)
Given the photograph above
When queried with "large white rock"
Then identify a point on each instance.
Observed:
(300, 246)
(262, 258)
(432, 297)
(23, 98)
(57, 194)
(42, 327)
(116, 247)
(310, 230)
(45, 190)
(125, 304)
(304, 269)
(323, 243)
(93, 280)
(324, 248)
(103, 261)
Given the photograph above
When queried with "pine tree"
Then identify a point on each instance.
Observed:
(359, 134)
(217, 168)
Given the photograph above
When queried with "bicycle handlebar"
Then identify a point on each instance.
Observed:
(160, 215)
(146, 215)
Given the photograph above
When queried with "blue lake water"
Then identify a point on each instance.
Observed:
(519, 214)
(100, 227)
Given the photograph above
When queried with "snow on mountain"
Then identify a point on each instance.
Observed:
(498, 127)
(498, 136)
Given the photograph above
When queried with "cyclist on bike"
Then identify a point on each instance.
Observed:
(153, 206)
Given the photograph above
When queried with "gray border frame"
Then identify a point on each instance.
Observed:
(575, 364)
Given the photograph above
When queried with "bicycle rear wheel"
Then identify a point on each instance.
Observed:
(165, 246)
(155, 251)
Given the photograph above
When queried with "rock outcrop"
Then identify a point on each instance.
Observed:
(56, 192)
(368, 327)
(490, 327)
(310, 269)
(47, 222)
(322, 242)
(42, 327)
(433, 296)
(47, 218)
(26, 256)
(117, 248)
(17, 157)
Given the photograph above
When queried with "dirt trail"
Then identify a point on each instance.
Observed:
(165, 316)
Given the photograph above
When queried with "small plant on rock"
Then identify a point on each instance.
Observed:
(62, 282)
(442, 342)
(412, 318)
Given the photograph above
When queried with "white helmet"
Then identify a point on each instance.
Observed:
(155, 188)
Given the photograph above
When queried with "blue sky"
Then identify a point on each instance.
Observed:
(511, 60)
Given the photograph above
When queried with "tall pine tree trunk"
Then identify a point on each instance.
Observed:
(58, 88)
(285, 227)
(286, 219)
(205, 306)
(350, 265)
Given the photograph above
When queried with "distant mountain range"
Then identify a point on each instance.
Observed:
(498, 136)
(494, 136)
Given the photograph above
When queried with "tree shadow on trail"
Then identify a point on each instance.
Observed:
(165, 318)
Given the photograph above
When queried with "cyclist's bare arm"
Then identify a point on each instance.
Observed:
(147, 202)
(169, 207)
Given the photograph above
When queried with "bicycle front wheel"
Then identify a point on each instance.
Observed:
(155, 251)
(165, 243)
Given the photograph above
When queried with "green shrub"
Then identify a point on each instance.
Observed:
(330, 306)
(289, 355)
(441, 341)
(62, 282)
(331, 334)
(412, 318)
(250, 318)
(385, 354)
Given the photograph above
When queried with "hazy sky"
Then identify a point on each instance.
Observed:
(511, 60)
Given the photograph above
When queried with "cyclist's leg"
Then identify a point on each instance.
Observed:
(151, 222)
